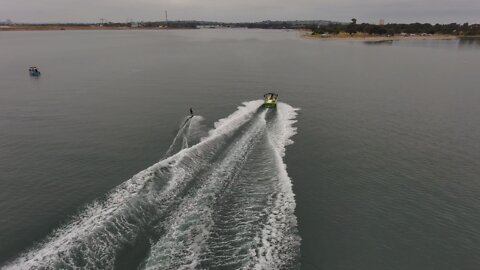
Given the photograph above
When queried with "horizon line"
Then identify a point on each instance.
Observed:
(224, 22)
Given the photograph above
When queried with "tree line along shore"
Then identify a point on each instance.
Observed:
(393, 31)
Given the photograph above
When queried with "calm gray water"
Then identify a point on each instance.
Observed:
(384, 171)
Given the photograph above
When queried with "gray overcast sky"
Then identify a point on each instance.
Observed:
(442, 11)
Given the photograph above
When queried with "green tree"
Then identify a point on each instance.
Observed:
(352, 27)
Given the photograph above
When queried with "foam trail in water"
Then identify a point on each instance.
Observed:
(278, 241)
(243, 214)
(94, 238)
(188, 228)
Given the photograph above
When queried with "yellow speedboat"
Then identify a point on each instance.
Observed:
(270, 100)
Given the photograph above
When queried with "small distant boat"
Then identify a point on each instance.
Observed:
(270, 100)
(34, 71)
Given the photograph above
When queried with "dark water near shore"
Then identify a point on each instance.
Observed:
(385, 165)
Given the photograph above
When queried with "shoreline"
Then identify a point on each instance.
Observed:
(77, 28)
(359, 37)
(379, 39)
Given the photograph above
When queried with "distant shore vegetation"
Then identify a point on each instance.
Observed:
(392, 29)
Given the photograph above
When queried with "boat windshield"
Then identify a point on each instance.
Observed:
(270, 96)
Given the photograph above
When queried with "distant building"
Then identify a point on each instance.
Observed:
(381, 22)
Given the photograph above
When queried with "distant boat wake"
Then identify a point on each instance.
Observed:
(224, 201)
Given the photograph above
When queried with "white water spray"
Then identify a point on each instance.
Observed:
(180, 190)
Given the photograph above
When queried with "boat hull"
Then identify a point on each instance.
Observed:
(270, 104)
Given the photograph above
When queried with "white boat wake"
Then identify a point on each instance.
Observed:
(224, 202)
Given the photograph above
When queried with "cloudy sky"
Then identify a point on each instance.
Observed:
(442, 11)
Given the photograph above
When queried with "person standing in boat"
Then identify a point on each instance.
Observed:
(191, 112)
